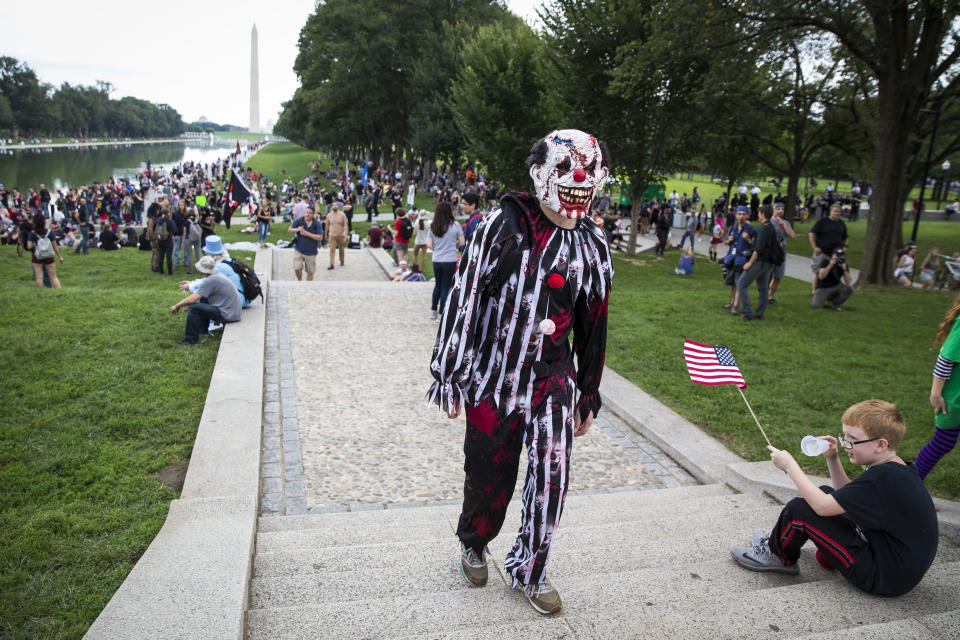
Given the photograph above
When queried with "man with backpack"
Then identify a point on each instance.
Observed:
(163, 231)
(784, 230)
(215, 299)
(758, 268)
(404, 231)
(192, 237)
(469, 202)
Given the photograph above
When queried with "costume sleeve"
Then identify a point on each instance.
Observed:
(453, 352)
(590, 328)
(944, 368)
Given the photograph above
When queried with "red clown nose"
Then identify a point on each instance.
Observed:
(579, 175)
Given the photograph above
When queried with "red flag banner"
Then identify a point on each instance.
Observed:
(711, 364)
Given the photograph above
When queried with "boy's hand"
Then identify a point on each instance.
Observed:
(781, 459)
(834, 447)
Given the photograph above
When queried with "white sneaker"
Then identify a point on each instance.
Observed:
(214, 326)
(433, 314)
(759, 557)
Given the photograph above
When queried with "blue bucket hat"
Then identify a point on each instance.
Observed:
(740, 209)
(213, 245)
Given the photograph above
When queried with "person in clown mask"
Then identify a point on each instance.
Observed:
(536, 269)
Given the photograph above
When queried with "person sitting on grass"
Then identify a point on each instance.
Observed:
(878, 530)
(215, 300)
(685, 267)
(108, 239)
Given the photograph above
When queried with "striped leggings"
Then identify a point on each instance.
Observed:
(943, 442)
(492, 450)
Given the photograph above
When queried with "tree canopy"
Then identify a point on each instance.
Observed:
(730, 87)
(29, 107)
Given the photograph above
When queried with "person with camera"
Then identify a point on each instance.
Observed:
(832, 281)
(826, 236)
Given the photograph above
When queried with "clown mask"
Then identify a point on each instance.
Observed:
(571, 171)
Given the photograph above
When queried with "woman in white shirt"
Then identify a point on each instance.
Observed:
(421, 232)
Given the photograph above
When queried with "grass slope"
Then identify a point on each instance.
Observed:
(98, 398)
(804, 367)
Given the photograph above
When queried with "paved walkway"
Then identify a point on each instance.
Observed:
(350, 366)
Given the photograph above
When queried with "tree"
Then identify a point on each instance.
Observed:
(634, 66)
(910, 48)
(505, 99)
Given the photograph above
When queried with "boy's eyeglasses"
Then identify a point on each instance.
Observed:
(848, 444)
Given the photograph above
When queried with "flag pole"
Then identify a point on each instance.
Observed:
(754, 415)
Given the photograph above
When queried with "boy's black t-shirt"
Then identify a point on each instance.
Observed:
(895, 514)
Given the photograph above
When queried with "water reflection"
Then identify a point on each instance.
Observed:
(61, 168)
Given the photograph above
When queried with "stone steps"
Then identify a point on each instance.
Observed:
(780, 611)
(630, 564)
(681, 500)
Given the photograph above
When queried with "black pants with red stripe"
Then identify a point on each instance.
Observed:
(835, 536)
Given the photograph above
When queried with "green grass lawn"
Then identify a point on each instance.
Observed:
(804, 366)
(277, 156)
(98, 399)
(240, 135)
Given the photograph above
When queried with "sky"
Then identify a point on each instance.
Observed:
(193, 55)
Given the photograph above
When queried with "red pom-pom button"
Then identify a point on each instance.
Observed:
(555, 281)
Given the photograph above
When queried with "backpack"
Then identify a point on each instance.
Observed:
(43, 248)
(248, 280)
(406, 229)
(472, 224)
(194, 233)
(778, 251)
(161, 229)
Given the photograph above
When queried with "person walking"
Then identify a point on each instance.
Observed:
(336, 233)
(444, 238)
(264, 220)
(306, 243)
(43, 247)
(535, 272)
(421, 232)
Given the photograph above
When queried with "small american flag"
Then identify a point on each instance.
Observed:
(711, 364)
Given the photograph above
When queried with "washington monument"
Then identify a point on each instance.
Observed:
(254, 83)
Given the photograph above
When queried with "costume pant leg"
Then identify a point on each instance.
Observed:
(835, 536)
(491, 451)
(549, 441)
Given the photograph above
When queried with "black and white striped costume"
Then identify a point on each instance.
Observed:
(503, 353)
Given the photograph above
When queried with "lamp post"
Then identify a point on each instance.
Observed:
(926, 170)
(944, 191)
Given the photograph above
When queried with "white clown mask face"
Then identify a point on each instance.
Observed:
(571, 174)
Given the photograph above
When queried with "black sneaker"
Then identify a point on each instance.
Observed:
(185, 341)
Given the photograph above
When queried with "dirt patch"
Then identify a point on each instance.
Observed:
(173, 476)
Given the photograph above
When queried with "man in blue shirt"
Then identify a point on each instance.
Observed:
(308, 234)
(740, 243)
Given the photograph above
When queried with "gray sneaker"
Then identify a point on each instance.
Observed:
(759, 557)
(543, 597)
(473, 566)
(433, 314)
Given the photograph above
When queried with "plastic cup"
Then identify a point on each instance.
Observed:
(813, 446)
